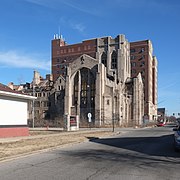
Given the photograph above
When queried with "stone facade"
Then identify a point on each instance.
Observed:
(103, 87)
(138, 100)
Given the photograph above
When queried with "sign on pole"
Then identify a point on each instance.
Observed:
(89, 117)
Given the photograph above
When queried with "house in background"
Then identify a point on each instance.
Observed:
(13, 112)
(48, 106)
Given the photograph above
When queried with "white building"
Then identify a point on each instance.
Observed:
(13, 112)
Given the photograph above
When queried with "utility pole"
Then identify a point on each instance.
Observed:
(33, 106)
(113, 122)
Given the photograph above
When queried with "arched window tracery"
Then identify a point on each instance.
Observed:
(114, 60)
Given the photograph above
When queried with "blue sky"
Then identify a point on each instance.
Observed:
(28, 26)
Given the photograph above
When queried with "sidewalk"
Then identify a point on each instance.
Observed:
(59, 131)
(20, 146)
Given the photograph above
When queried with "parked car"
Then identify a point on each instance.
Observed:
(176, 138)
(160, 124)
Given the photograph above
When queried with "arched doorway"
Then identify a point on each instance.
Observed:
(84, 94)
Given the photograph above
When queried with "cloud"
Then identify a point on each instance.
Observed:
(18, 60)
(78, 6)
(80, 27)
(40, 2)
(56, 4)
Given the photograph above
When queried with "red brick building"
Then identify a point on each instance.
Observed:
(63, 54)
(143, 61)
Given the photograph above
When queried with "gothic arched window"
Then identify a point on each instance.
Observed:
(76, 88)
(104, 59)
(114, 60)
(87, 88)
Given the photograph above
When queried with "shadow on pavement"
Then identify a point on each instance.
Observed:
(141, 152)
(154, 146)
(134, 151)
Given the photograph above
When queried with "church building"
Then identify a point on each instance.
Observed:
(97, 75)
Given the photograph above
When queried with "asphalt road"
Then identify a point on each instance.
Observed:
(142, 154)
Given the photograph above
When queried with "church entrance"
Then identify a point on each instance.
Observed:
(84, 94)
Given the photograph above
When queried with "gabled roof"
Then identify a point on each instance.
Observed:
(6, 91)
